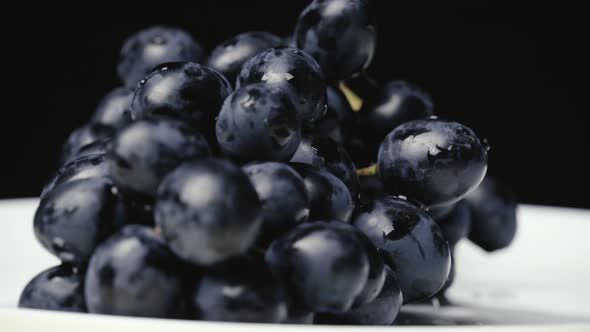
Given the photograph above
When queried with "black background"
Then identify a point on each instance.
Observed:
(512, 74)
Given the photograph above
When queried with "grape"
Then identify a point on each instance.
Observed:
(113, 109)
(240, 290)
(397, 103)
(325, 153)
(144, 152)
(381, 311)
(208, 211)
(328, 196)
(259, 122)
(82, 137)
(76, 216)
(411, 243)
(493, 215)
(283, 196)
(133, 273)
(338, 35)
(436, 162)
(338, 121)
(323, 267)
(59, 288)
(146, 49)
(229, 56)
(91, 166)
(292, 66)
(186, 91)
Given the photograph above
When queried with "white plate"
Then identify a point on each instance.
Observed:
(541, 283)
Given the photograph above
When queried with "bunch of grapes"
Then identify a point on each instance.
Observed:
(226, 187)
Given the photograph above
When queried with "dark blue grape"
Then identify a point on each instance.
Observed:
(283, 196)
(228, 57)
(493, 214)
(292, 66)
(59, 288)
(325, 153)
(456, 225)
(259, 122)
(376, 277)
(92, 149)
(208, 211)
(411, 244)
(83, 136)
(240, 290)
(329, 197)
(113, 109)
(397, 103)
(436, 162)
(146, 49)
(440, 296)
(337, 33)
(186, 91)
(144, 152)
(133, 273)
(338, 120)
(90, 166)
(323, 267)
(76, 216)
(381, 311)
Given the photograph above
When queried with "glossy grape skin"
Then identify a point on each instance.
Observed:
(91, 166)
(493, 214)
(338, 35)
(139, 208)
(259, 122)
(456, 225)
(376, 277)
(59, 288)
(323, 267)
(186, 91)
(208, 211)
(338, 120)
(292, 66)
(144, 152)
(240, 290)
(440, 296)
(75, 217)
(325, 153)
(411, 243)
(113, 109)
(397, 103)
(133, 273)
(148, 48)
(83, 136)
(93, 149)
(433, 161)
(283, 196)
(328, 196)
(381, 311)
(228, 57)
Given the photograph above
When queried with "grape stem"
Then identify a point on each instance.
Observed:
(367, 171)
(353, 99)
